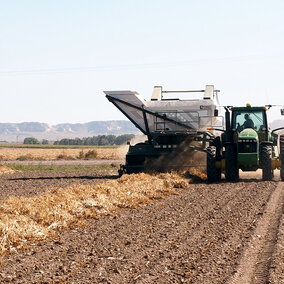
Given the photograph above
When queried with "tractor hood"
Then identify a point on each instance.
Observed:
(248, 133)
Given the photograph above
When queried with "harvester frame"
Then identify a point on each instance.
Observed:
(171, 125)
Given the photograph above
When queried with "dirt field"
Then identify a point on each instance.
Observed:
(218, 233)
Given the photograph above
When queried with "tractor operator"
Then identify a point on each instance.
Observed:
(248, 122)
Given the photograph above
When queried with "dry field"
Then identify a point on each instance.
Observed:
(53, 154)
(91, 227)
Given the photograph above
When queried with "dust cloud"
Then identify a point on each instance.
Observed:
(186, 155)
(123, 149)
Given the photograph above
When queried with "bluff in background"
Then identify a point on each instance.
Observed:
(16, 132)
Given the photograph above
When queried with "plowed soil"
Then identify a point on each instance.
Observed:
(201, 235)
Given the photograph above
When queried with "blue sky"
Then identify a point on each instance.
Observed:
(57, 57)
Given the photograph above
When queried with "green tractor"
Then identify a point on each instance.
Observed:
(246, 144)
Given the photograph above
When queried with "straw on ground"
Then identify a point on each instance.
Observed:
(26, 221)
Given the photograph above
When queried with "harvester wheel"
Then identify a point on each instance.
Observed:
(266, 162)
(232, 169)
(120, 173)
(213, 173)
(282, 156)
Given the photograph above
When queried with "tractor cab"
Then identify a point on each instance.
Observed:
(249, 117)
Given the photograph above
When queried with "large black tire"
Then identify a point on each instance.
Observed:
(266, 162)
(213, 173)
(121, 171)
(232, 168)
(282, 156)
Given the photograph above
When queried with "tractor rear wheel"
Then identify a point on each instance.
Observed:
(282, 156)
(232, 169)
(266, 162)
(213, 173)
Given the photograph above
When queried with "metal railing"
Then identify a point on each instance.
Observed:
(190, 119)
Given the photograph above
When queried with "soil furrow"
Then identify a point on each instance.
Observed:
(276, 273)
(255, 264)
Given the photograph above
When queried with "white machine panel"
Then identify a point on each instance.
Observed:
(167, 115)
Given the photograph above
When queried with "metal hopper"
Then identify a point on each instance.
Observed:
(168, 123)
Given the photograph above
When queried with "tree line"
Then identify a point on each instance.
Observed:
(99, 140)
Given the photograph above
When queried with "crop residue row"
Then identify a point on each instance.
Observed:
(25, 221)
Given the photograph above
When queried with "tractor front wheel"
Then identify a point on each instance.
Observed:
(266, 162)
(213, 173)
(282, 156)
(232, 169)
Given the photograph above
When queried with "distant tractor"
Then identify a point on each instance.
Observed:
(246, 144)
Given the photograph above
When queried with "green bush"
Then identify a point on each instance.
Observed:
(31, 140)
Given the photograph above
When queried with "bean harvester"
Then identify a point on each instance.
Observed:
(175, 128)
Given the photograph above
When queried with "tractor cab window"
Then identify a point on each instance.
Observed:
(249, 119)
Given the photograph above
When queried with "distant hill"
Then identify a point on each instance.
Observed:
(13, 132)
(17, 132)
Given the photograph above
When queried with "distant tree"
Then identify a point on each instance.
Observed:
(94, 141)
(77, 141)
(64, 141)
(31, 140)
(101, 140)
(111, 139)
(44, 142)
(122, 139)
(87, 141)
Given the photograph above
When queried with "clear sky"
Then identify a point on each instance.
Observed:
(57, 57)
